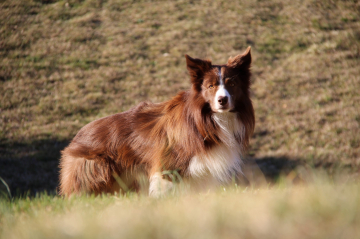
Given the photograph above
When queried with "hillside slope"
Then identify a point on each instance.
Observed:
(66, 63)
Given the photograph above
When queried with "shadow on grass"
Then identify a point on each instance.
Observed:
(274, 167)
(30, 168)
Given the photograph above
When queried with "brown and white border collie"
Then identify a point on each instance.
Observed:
(200, 133)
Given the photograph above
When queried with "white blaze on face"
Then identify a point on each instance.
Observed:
(222, 92)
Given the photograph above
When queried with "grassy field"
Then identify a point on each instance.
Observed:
(322, 210)
(66, 63)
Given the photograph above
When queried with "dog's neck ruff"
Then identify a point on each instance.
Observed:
(230, 129)
(222, 161)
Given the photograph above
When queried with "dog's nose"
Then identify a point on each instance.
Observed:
(223, 100)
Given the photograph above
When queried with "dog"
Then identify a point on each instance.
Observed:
(200, 133)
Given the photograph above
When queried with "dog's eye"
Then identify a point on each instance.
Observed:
(230, 83)
(211, 86)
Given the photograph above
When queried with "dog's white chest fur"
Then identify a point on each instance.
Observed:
(222, 161)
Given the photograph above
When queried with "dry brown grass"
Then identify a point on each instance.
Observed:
(66, 63)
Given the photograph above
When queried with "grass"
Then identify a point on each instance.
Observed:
(66, 63)
(322, 209)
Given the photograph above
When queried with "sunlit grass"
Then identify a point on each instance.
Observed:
(321, 209)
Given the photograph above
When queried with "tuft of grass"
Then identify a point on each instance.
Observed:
(4, 193)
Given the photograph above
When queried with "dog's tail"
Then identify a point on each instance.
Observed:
(79, 175)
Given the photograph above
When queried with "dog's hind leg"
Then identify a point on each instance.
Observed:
(80, 175)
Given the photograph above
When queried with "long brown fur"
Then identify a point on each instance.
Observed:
(155, 137)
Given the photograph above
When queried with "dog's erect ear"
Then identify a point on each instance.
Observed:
(242, 60)
(197, 68)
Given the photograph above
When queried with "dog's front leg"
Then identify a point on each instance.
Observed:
(158, 185)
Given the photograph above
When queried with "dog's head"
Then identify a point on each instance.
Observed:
(223, 87)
